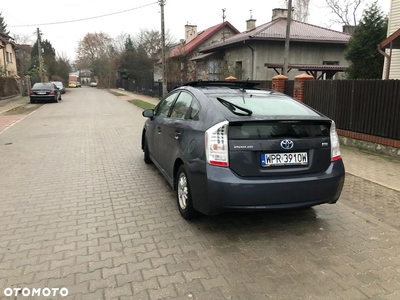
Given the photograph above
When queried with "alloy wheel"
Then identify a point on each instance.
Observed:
(182, 191)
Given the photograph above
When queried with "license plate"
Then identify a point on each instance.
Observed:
(284, 159)
(41, 93)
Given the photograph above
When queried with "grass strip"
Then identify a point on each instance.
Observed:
(142, 104)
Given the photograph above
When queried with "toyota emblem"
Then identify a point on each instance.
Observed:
(287, 144)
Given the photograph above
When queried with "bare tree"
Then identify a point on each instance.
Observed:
(300, 9)
(119, 42)
(96, 52)
(346, 11)
(150, 40)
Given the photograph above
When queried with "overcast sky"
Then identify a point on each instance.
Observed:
(204, 14)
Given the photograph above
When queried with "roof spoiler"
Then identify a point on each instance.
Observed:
(240, 84)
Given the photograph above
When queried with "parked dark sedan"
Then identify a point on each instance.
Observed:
(45, 91)
(227, 146)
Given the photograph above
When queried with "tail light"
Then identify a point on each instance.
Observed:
(31, 93)
(217, 145)
(52, 93)
(335, 145)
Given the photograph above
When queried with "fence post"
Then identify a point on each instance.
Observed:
(299, 82)
(279, 83)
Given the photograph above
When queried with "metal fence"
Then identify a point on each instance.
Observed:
(365, 106)
(153, 89)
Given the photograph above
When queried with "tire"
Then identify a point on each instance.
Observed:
(146, 156)
(184, 195)
(32, 101)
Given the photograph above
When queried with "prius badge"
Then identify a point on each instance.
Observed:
(287, 144)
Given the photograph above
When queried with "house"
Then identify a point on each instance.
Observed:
(85, 76)
(8, 62)
(390, 47)
(258, 53)
(181, 60)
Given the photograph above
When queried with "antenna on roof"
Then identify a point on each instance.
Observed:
(223, 21)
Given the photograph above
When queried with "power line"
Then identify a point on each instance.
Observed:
(84, 19)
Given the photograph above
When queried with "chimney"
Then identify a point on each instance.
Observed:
(279, 13)
(349, 29)
(250, 23)
(190, 32)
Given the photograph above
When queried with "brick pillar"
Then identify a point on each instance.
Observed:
(298, 91)
(279, 82)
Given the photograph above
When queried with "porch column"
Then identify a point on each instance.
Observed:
(298, 91)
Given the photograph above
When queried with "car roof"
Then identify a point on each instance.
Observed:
(221, 89)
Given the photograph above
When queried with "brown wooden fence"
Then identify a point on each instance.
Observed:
(366, 106)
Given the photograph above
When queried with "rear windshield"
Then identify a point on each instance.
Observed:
(265, 130)
(43, 86)
(270, 105)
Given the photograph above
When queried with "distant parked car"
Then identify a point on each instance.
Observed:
(228, 146)
(72, 84)
(45, 91)
(93, 84)
(60, 86)
(78, 84)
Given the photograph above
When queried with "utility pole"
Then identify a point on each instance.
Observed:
(40, 55)
(287, 40)
(163, 54)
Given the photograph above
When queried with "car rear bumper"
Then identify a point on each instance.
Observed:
(42, 97)
(228, 192)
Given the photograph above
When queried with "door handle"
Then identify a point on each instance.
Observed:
(177, 135)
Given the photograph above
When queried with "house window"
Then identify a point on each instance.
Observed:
(213, 70)
(8, 58)
(238, 70)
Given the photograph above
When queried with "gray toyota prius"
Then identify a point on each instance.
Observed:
(229, 146)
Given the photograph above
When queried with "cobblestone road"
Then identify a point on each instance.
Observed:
(79, 209)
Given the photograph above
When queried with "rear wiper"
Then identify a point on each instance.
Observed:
(232, 107)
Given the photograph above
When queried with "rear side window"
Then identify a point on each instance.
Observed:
(271, 105)
(195, 109)
(266, 130)
(181, 106)
(165, 105)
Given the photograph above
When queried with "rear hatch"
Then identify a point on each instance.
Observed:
(279, 147)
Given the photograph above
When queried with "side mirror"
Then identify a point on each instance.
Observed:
(148, 113)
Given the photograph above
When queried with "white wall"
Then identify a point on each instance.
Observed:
(394, 24)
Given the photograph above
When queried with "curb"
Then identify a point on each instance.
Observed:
(4, 111)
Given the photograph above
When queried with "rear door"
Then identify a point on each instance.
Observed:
(174, 130)
(279, 147)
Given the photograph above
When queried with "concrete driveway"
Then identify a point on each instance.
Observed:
(80, 210)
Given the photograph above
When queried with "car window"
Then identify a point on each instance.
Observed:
(42, 85)
(271, 105)
(181, 106)
(165, 105)
(195, 109)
